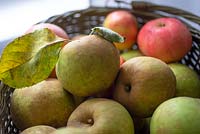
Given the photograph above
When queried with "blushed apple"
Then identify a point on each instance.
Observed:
(55, 28)
(121, 60)
(165, 38)
(124, 23)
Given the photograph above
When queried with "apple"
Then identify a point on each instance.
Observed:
(43, 103)
(121, 60)
(78, 100)
(131, 54)
(99, 115)
(165, 38)
(69, 130)
(108, 92)
(77, 37)
(87, 66)
(187, 80)
(39, 129)
(142, 84)
(124, 23)
(179, 115)
(54, 28)
(104, 94)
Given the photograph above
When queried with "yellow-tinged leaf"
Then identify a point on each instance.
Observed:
(30, 58)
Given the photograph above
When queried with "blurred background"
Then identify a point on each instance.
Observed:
(18, 15)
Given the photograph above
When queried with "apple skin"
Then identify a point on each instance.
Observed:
(69, 130)
(131, 54)
(54, 28)
(43, 103)
(179, 115)
(121, 60)
(187, 80)
(165, 38)
(108, 92)
(124, 23)
(142, 84)
(77, 37)
(39, 129)
(87, 66)
(101, 116)
(105, 94)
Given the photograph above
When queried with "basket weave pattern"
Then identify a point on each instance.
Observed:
(81, 21)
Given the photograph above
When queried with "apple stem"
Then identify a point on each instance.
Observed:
(90, 121)
(127, 88)
(161, 24)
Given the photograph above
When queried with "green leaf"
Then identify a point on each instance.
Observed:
(30, 59)
(108, 34)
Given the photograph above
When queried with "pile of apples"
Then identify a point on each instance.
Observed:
(103, 87)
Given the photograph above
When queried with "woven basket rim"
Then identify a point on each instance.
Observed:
(140, 8)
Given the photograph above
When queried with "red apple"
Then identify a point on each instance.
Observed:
(54, 28)
(124, 23)
(165, 38)
(121, 60)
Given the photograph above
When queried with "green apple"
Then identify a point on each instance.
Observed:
(131, 54)
(187, 80)
(43, 103)
(39, 129)
(88, 66)
(179, 115)
(142, 84)
(70, 130)
(99, 116)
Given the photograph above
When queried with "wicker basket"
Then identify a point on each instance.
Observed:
(81, 21)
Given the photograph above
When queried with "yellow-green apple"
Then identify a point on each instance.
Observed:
(187, 80)
(88, 65)
(142, 84)
(165, 38)
(70, 130)
(108, 92)
(124, 23)
(54, 28)
(99, 116)
(43, 103)
(179, 115)
(39, 129)
(131, 54)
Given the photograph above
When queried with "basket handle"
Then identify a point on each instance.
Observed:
(148, 6)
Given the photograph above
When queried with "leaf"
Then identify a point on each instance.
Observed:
(30, 59)
(108, 34)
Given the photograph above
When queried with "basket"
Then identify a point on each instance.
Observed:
(81, 21)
